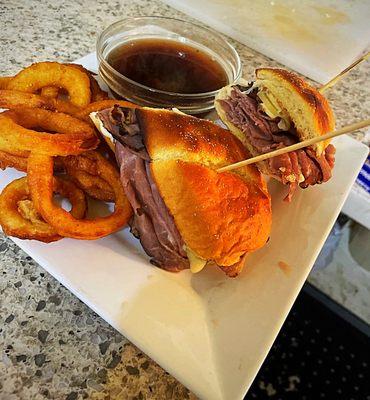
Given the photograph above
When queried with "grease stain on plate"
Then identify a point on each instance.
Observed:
(286, 268)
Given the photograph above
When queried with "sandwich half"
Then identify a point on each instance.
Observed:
(186, 214)
(278, 110)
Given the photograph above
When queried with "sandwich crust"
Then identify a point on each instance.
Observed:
(170, 135)
(220, 216)
(307, 107)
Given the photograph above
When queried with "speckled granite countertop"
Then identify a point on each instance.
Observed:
(53, 346)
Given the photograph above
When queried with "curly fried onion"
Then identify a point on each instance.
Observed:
(40, 179)
(18, 216)
(72, 136)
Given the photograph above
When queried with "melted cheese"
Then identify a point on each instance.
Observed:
(196, 263)
(272, 108)
(267, 105)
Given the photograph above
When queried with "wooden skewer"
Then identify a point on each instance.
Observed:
(297, 146)
(333, 81)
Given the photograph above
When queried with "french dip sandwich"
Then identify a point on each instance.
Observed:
(278, 110)
(186, 214)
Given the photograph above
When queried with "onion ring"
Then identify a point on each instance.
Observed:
(40, 179)
(15, 99)
(4, 80)
(9, 160)
(84, 170)
(73, 135)
(39, 75)
(18, 217)
(50, 92)
(101, 105)
(97, 94)
(93, 185)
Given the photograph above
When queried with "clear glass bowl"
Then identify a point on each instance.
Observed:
(191, 34)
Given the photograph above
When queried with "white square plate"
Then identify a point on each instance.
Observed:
(209, 331)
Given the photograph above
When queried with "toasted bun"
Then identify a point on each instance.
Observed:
(309, 110)
(306, 106)
(220, 216)
(171, 135)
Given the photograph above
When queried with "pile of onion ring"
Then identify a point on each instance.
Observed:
(19, 217)
(46, 133)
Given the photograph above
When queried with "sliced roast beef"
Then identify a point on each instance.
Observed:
(122, 124)
(151, 222)
(301, 167)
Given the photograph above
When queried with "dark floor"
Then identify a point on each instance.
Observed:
(317, 355)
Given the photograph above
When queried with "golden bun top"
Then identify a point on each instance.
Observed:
(170, 135)
(220, 216)
(307, 107)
